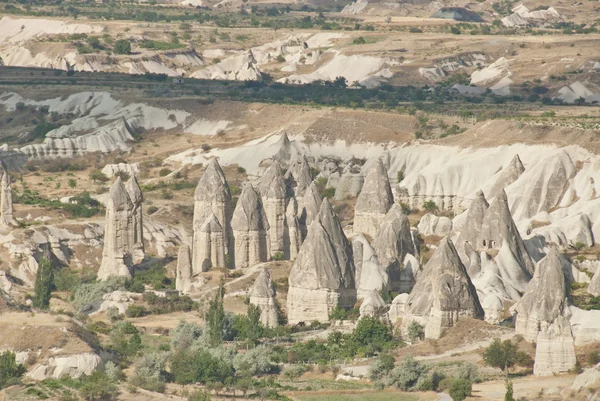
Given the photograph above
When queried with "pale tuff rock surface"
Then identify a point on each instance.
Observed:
(373, 305)
(116, 299)
(349, 185)
(369, 276)
(311, 203)
(292, 237)
(210, 245)
(262, 294)
(212, 196)
(298, 175)
(322, 276)
(6, 216)
(137, 197)
(287, 151)
(374, 201)
(594, 286)
(250, 226)
(396, 250)
(443, 294)
(585, 325)
(589, 378)
(66, 366)
(430, 224)
(508, 175)
(398, 307)
(118, 233)
(496, 258)
(183, 280)
(542, 317)
(273, 190)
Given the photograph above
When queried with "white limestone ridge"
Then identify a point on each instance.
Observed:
(262, 294)
(249, 228)
(443, 294)
(118, 233)
(374, 201)
(322, 276)
(397, 251)
(211, 197)
(542, 317)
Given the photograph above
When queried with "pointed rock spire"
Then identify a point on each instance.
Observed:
(369, 276)
(322, 276)
(287, 152)
(509, 175)
(374, 201)
(184, 270)
(542, 318)
(392, 243)
(137, 197)
(273, 190)
(292, 237)
(443, 293)
(311, 203)
(6, 217)
(469, 234)
(298, 176)
(250, 226)
(118, 233)
(209, 245)
(498, 227)
(262, 294)
(212, 196)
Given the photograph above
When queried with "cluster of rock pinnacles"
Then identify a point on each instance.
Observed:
(283, 216)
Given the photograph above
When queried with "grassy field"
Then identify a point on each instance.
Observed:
(365, 396)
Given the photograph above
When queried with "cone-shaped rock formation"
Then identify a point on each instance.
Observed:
(374, 201)
(262, 294)
(272, 188)
(137, 197)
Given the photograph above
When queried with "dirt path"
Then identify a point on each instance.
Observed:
(527, 387)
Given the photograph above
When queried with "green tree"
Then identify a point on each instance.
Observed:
(460, 389)
(430, 206)
(97, 387)
(122, 46)
(406, 375)
(371, 332)
(10, 370)
(382, 366)
(199, 396)
(501, 354)
(508, 396)
(98, 176)
(44, 283)
(415, 332)
(215, 319)
(125, 339)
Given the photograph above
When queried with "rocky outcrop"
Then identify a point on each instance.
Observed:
(443, 294)
(542, 318)
(298, 176)
(311, 203)
(349, 185)
(137, 197)
(212, 197)
(292, 237)
(398, 307)
(508, 175)
(262, 294)
(322, 276)
(183, 280)
(594, 286)
(210, 245)
(370, 275)
(118, 233)
(397, 251)
(116, 299)
(272, 188)
(6, 217)
(492, 249)
(589, 378)
(73, 366)
(374, 201)
(249, 225)
(373, 305)
(430, 224)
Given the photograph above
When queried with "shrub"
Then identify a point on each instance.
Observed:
(415, 332)
(277, 256)
(150, 373)
(199, 367)
(382, 366)
(152, 210)
(98, 176)
(501, 354)
(66, 280)
(20, 106)
(359, 41)
(92, 292)
(134, 310)
(44, 283)
(430, 206)
(257, 361)
(293, 372)
(10, 371)
(122, 46)
(113, 314)
(406, 375)
(98, 386)
(199, 396)
(113, 372)
(460, 389)
(163, 172)
(415, 30)
(185, 335)
(125, 339)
